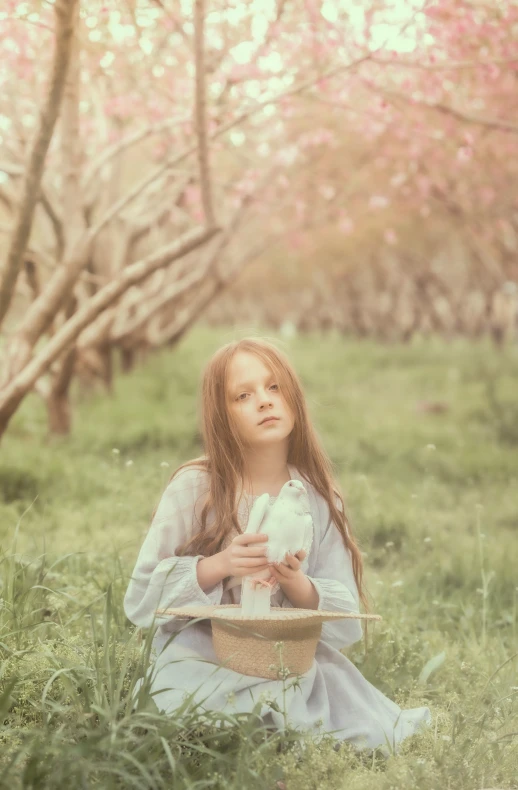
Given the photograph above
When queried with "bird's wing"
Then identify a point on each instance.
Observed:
(281, 527)
(271, 518)
(255, 520)
(257, 513)
(308, 533)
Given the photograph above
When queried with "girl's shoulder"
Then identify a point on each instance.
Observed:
(192, 478)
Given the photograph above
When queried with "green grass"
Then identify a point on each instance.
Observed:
(433, 501)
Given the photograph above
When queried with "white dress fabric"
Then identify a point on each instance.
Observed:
(333, 696)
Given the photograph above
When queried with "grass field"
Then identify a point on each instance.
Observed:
(433, 498)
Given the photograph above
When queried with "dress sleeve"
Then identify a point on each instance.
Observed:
(331, 573)
(160, 578)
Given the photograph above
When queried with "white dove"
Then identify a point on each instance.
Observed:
(289, 527)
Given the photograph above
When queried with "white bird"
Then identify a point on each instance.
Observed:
(289, 527)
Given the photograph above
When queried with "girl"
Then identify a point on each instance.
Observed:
(195, 553)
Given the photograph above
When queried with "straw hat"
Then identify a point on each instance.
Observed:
(280, 644)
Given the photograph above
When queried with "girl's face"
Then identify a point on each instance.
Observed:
(253, 395)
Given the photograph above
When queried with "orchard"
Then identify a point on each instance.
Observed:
(341, 174)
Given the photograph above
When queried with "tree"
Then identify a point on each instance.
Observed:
(184, 136)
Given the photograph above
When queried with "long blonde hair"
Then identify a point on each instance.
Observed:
(224, 459)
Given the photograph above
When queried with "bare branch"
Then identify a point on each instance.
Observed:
(178, 28)
(444, 66)
(8, 198)
(14, 392)
(12, 169)
(169, 295)
(65, 15)
(55, 221)
(481, 120)
(242, 116)
(132, 139)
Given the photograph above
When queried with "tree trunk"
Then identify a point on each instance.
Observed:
(65, 11)
(128, 359)
(106, 359)
(12, 395)
(59, 414)
(59, 410)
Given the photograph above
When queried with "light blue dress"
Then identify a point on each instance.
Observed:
(333, 695)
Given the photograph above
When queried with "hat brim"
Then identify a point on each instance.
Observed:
(230, 613)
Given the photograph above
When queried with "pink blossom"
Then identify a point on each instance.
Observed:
(345, 225)
(192, 194)
(300, 209)
(398, 179)
(295, 240)
(423, 185)
(464, 154)
(487, 195)
(378, 201)
(287, 155)
(327, 191)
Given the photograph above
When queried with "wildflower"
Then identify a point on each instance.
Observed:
(129, 463)
(427, 540)
(115, 451)
(266, 696)
(164, 463)
(389, 543)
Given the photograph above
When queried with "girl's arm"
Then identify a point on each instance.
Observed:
(211, 570)
(161, 579)
(302, 592)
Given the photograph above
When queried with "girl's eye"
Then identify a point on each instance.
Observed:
(240, 397)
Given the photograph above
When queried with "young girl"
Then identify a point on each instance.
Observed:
(195, 553)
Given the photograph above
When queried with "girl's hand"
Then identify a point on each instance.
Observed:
(241, 559)
(286, 574)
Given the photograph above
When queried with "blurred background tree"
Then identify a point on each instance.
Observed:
(307, 165)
